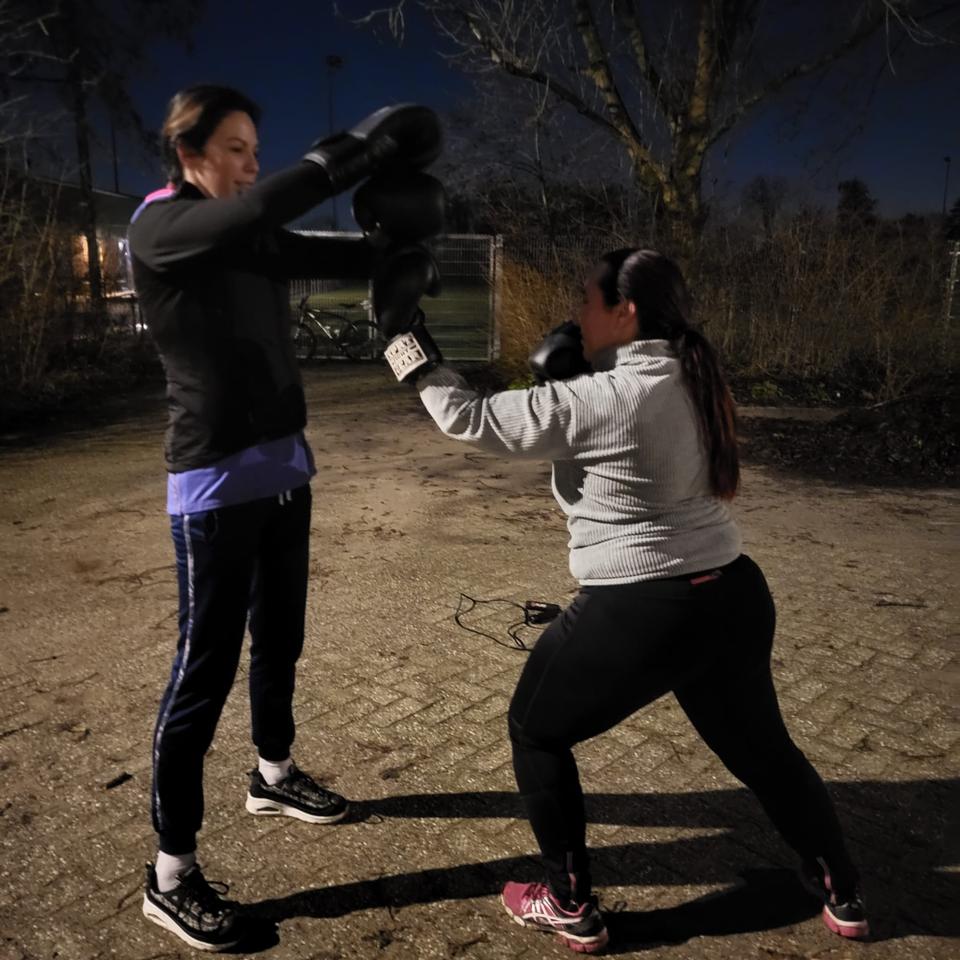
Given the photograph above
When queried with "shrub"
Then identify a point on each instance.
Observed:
(810, 302)
(531, 302)
(36, 283)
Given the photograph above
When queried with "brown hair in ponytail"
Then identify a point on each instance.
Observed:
(656, 286)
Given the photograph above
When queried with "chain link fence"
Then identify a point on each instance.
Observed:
(561, 256)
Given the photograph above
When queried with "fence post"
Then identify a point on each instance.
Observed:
(953, 275)
(496, 271)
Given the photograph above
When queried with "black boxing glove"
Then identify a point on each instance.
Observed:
(398, 285)
(559, 355)
(399, 207)
(405, 136)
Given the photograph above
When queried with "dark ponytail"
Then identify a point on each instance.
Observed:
(656, 286)
(715, 408)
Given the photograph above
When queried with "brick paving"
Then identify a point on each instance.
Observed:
(403, 710)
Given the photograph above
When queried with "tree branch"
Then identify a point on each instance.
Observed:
(598, 70)
(394, 14)
(705, 73)
(661, 93)
(518, 68)
(855, 39)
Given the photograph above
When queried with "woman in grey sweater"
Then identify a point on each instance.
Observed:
(645, 462)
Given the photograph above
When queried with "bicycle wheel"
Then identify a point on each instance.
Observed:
(304, 342)
(360, 341)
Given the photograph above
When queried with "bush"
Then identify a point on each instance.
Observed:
(816, 301)
(529, 306)
(36, 283)
(811, 303)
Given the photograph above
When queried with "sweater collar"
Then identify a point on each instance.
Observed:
(634, 352)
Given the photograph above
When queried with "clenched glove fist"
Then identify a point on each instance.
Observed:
(398, 286)
(398, 210)
(559, 355)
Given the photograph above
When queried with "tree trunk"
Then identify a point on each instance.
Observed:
(88, 210)
(683, 213)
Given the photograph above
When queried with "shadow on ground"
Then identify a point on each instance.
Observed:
(905, 837)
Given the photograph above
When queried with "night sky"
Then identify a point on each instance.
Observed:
(280, 61)
(276, 52)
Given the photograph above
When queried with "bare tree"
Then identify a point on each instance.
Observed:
(667, 81)
(84, 51)
(22, 43)
(524, 170)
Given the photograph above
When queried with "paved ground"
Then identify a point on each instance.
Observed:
(404, 710)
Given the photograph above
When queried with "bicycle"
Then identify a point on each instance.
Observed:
(335, 333)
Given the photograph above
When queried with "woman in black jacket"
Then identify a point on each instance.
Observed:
(211, 265)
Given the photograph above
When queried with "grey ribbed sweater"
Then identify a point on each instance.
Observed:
(629, 469)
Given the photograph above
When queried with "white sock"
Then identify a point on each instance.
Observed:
(170, 866)
(273, 771)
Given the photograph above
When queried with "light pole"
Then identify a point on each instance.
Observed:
(113, 148)
(946, 183)
(334, 63)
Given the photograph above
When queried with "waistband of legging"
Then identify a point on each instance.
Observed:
(694, 578)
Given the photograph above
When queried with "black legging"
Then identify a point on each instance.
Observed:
(617, 648)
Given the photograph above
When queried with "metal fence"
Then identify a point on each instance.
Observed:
(463, 318)
(951, 298)
(563, 256)
(951, 303)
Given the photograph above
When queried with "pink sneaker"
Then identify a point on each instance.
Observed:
(847, 917)
(533, 905)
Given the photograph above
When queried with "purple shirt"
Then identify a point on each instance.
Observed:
(266, 470)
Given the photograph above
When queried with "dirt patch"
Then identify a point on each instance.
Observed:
(912, 441)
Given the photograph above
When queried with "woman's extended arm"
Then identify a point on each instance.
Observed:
(543, 423)
(301, 256)
(170, 232)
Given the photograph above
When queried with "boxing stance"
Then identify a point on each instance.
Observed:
(211, 263)
(642, 438)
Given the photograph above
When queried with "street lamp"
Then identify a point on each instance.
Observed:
(334, 63)
(946, 183)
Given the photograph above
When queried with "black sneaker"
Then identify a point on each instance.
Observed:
(296, 795)
(844, 913)
(194, 910)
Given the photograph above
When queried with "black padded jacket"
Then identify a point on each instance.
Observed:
(212, 279)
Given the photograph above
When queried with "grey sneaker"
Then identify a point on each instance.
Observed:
(194, 910)
(296, 795)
